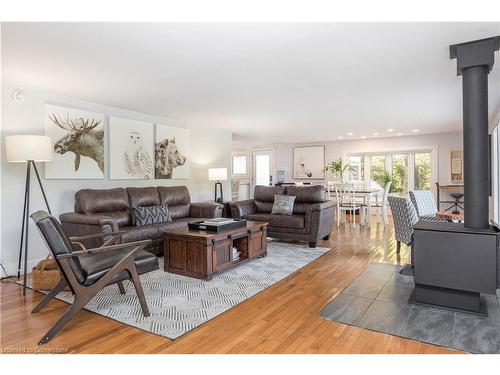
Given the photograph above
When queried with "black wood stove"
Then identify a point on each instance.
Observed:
(454, 263)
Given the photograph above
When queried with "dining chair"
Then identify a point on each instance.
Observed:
(381, 204)
(330, 189)
(425, 205)
(404, 217)
(345, 194)
(88, 271)
(235, 185)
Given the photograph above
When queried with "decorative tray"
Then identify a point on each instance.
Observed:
(199, 225)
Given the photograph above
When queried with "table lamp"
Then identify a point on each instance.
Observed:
(218, 175)
(28, 149)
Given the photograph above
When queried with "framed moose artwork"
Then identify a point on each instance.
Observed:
(78, 138)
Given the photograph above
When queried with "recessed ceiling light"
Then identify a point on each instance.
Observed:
(390, 130)
(362, 137)
(375, 133)
(340, 137)
(350, 133)
(399, 134)
(415, 130)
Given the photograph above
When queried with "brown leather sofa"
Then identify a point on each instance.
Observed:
(312, 217)
(109, 210)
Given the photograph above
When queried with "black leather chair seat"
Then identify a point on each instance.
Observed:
(150, 232)
(283, 221)
(97, 265)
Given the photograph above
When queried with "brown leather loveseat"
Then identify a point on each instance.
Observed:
(312, 217)
(110, 210)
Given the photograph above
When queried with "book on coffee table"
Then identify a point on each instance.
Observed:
(218, 221)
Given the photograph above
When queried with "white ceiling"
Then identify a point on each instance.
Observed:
(265, 82)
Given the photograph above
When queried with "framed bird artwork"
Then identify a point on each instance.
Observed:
(131, 149)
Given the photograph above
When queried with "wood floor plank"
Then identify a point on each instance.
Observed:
(282, 319)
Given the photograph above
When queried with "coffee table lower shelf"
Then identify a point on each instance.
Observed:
(200, 254)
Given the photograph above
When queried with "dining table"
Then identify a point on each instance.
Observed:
(365, 190)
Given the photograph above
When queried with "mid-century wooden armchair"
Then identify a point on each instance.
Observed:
(87, 271)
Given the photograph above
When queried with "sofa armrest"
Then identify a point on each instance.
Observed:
(78, 225)
(320, 206)
(206, 210)
(319, 219)
(76, 218)
(242, 208)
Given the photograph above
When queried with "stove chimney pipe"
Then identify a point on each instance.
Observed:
(474, 62)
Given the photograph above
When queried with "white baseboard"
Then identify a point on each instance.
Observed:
(11, 268)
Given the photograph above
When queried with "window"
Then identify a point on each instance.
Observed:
(422, 171)
(357, 164)
(240, 164)
(399, 173)
(378, 169)
(408, 170)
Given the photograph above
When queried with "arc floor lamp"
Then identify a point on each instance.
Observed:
(28, 149)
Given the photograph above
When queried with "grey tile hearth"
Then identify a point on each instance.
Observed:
(378, 300)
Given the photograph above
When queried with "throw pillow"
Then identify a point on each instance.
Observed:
(283, 204)
(151, 215)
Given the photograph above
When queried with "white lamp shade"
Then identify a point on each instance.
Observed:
(21, 148)
(217, 174)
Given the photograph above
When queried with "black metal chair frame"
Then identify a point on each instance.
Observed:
(83, 294)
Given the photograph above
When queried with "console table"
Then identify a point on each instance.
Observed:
(199, 253)
(439, 187)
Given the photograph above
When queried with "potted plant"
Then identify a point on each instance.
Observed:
(337, 168)
(386, 177)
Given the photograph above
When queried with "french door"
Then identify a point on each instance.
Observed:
(262, 162)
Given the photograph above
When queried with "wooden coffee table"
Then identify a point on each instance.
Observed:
(198, 253)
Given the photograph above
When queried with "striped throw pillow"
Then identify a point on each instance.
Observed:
(148, 215)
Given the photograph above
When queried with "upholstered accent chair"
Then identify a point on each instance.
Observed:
(87, 271)
(405, 217)
(425, 205)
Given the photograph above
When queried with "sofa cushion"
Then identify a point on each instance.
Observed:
(293, 221)
(143, 196)
(263, 207)
(283, 204)
(266, 193)
(179, 211)
(149, 232)
(300, 208)
(148, 215)
(113, 203)
(307, 194)
(140, 197)
(174, 195)
(90, 201)
(178, 200)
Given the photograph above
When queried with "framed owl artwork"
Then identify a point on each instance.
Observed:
(131, 149)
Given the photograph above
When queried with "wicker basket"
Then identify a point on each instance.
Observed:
(46, 274)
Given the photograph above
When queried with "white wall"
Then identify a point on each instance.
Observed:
(283, 156)
(445, 142)
(209, 148)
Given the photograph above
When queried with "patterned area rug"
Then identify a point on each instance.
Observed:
(179, 304)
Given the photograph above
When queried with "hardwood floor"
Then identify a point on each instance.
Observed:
(282, 319)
